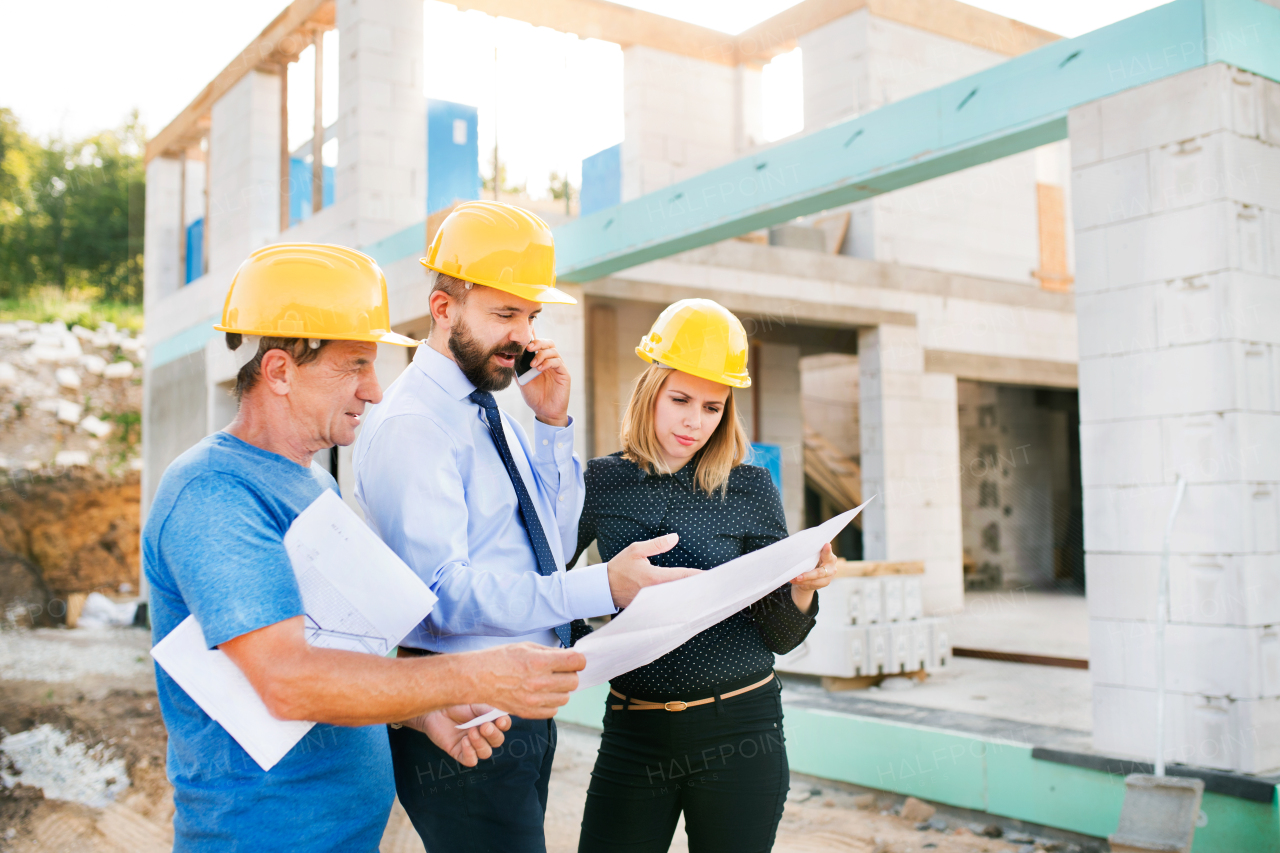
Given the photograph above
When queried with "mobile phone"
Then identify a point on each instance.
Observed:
(524, 368)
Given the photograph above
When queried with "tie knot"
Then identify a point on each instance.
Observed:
(483, 399)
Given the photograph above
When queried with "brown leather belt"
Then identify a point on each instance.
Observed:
(642, 705)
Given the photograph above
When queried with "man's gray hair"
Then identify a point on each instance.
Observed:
(302, 350)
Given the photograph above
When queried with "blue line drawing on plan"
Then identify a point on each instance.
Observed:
(332, 622)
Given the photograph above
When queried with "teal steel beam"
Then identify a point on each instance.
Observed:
(1012, 107)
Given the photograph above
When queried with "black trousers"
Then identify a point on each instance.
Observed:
(498, 806)
(723, 764)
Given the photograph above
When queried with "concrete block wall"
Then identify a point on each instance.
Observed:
(910, 459)
(1013, 462)
(836, 67)
(777, 371)
(683, 116)
(161, 274)
(1178, 292)
(244, 170)
(382, 117)
(829, 385)
(980, 221)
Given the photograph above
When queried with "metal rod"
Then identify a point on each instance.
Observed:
(1162, 605)
(182, 218)
(317, 133)
(285, 176)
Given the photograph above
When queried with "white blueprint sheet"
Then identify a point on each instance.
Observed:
(665, 616)
(358, 596)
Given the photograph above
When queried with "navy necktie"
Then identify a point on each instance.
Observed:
(532, 525)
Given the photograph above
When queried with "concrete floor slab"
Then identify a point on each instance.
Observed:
(1026, 621)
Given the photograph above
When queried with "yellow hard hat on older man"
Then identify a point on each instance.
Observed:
(310, 290)
(500, 246)
(700, 337)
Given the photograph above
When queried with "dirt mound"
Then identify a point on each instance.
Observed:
(81, 531)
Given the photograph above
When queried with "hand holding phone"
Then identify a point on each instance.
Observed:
(524, 368)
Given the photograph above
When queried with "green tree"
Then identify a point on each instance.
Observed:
(17, 152)
(77, 212)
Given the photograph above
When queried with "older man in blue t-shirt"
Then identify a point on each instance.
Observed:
(307, 319)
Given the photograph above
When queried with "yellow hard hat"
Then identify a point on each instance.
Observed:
(701, 337)
(310, 290)
(501, 246)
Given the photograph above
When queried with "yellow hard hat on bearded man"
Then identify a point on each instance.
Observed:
(700, 337)
(310, 290)
(500, 246)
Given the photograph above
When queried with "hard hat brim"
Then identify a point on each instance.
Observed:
(732, 382)
(394, 338)
(532, 292)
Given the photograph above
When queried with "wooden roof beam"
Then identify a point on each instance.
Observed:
(626, 26)
(281, 41)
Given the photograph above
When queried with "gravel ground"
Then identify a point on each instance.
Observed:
(55, 655)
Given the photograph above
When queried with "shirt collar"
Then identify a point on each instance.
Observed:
(444, 371)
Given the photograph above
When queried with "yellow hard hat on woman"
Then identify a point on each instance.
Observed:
(700, 337)
(310, 290)
(500, 246)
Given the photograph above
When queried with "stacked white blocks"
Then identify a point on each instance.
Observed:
(872, 625)
(1178, 292)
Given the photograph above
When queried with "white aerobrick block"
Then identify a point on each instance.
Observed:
(877, 649)
(912, 597)
(907, 653)
(846, 651)
(839, 651)
(892, 598)
(939, 642)
(1225, 734)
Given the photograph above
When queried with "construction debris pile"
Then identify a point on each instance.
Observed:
(69, 398)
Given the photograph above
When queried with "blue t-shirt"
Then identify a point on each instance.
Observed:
(213, 546)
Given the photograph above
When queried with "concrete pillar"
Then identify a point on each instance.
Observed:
(160, 272)
(244, 170)
(683, 116)
(836, 65)
(1177, 219)
(382, 117)
(781, 419)
(910, 459)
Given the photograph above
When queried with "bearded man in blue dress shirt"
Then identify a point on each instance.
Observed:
(485, 515)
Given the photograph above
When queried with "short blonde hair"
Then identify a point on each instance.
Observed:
(723, 452)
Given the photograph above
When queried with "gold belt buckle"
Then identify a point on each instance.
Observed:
(682, 705)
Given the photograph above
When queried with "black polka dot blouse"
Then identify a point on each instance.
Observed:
(624, 505)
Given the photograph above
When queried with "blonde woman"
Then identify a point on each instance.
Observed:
(699, 730)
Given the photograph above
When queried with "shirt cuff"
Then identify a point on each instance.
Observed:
(587, 590)
(552, 445)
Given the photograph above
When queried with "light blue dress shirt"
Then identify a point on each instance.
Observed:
(432, 485)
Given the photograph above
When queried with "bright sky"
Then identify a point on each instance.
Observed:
(72, 67)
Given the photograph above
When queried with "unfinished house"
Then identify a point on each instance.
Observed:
(1013, 285)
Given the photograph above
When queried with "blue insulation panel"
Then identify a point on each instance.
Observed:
(195, 250)
(300, 189)
(601, 180)
(769, 457)
(453, 154)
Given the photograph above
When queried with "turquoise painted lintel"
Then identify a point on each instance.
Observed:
(402, 244)
(1243, 33)
(183, 343)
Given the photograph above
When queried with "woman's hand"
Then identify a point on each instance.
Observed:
(803, 586)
